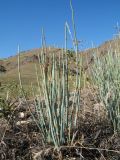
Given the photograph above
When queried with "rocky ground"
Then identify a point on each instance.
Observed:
(20, 138)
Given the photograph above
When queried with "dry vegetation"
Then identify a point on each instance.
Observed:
(90, 132)
(59, 104)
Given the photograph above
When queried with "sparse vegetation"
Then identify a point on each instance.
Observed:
(56, 106)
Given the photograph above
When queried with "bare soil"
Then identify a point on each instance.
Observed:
(20, 139)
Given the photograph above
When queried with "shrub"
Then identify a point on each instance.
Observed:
(55, 119)
(106, 75)
(2, 69)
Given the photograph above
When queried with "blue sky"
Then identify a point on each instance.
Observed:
(21, 22)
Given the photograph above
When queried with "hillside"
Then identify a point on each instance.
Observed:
(110, 45)
(29, 58)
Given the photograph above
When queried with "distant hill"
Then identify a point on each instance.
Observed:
(29, 58)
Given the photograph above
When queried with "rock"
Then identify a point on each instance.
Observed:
(21, 115)
(23, 122)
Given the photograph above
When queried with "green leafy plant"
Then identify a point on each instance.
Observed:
(6, 108)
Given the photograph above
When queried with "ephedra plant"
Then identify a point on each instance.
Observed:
(55, 117)
(106, 76)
